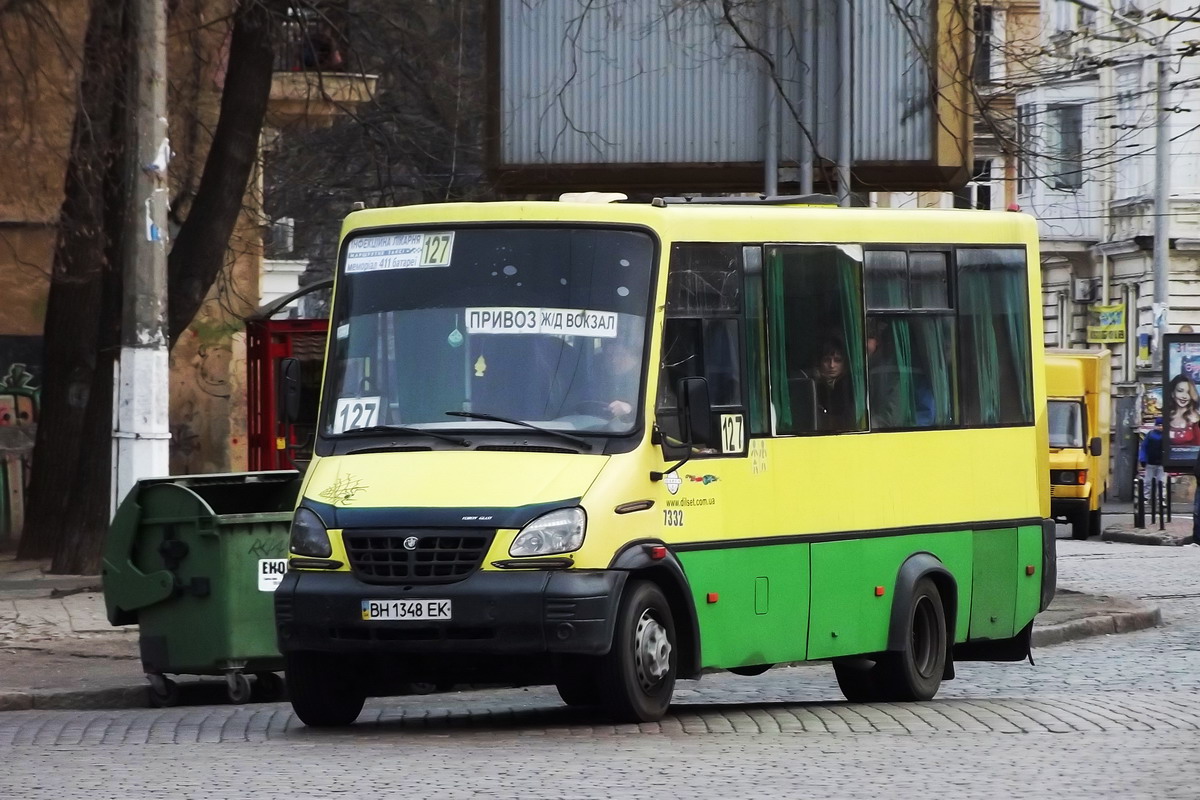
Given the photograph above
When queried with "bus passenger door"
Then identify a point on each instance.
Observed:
(751, 601)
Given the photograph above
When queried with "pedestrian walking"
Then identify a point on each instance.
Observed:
(1150, 457)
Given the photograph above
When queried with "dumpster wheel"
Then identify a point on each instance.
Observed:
(164, 692)
(237, 686)
(268, 687)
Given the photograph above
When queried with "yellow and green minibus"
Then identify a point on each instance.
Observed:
(609, 446)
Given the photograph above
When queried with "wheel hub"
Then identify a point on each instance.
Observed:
(651, 651)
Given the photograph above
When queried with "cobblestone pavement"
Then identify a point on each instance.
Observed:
(1113, 716)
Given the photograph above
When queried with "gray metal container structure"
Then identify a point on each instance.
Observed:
(667, 94)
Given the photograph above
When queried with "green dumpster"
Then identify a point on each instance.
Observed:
(193, 561)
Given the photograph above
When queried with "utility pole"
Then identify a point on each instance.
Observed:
(141, 432)
(1162, 199)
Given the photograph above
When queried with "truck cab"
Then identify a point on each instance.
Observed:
(1078, 395)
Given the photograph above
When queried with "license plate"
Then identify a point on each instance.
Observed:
(391, 610)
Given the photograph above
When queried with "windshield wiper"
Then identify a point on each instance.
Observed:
(586, 445)
(406, 430)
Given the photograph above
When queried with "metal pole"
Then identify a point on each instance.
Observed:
(808, 84)
(141, 432)
(1162, 194)
(845, 110)
(771, 135)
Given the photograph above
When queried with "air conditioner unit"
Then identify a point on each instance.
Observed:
(1082, 290)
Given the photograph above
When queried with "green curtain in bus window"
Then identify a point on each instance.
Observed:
(756, 346)
(994, 336)
(852, 326)
(777, 342)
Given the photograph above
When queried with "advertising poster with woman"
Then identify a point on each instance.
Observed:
(1181, 400)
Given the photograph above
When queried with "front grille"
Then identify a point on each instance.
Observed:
(438, 556)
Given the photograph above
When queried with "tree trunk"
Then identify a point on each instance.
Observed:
(69, 489)
(200, 248)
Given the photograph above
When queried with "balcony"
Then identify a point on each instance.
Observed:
(313, 84)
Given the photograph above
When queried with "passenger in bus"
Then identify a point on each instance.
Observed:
(835, 396)
(883, 377)
(621, 368)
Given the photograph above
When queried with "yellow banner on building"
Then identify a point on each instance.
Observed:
(1106, 323)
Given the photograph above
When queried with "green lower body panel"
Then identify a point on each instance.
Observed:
(798, 601)
(751, 603)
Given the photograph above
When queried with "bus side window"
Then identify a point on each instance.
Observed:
(701, 327)
(910, 339)
(815, 338)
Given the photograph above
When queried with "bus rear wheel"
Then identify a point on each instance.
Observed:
(321, 689)
(915, 672)
(637, 676)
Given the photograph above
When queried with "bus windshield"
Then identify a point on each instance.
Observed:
(1066, 423)
(543, 325)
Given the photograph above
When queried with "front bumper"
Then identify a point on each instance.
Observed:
(527, 612)
(1067, 507)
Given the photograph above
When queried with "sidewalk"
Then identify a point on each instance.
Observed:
(1118, 525)
(57, 650)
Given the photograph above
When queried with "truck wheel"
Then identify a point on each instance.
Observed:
(637, 676)
(1094, 523)
(915, 673)
(1081, 524)
(321, 690)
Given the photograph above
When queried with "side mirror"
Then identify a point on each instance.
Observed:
(1096, 447)
(289, 389)
(695, 411)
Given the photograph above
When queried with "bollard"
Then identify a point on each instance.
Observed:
(1139, 503)
(1167, 501)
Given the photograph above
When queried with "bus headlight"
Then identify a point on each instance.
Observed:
(557, 532)
(309, 537)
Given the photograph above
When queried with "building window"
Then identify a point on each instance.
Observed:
(1024, 149)
(978, 191)
(982, 69)
(1064, 133)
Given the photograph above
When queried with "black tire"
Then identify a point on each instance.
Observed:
(577, 680)
(637, 676)
(861, 680)
(321, 690)
(268, 687)
(1081, 524)
(915, 673)
(1094, 523)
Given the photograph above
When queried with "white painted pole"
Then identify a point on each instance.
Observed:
(141, 430)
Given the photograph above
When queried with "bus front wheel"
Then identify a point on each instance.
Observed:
(637, 676)
(322, 690)
(915, 672)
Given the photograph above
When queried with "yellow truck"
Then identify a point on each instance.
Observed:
(1079, 404)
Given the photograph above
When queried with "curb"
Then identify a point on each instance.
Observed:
(1144, 536)
(1101, 625)
(124, 697)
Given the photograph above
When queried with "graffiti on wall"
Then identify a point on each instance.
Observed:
(20, 393)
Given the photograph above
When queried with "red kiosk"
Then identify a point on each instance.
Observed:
(275, 443)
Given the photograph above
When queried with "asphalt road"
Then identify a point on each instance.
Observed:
(1114, 716)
